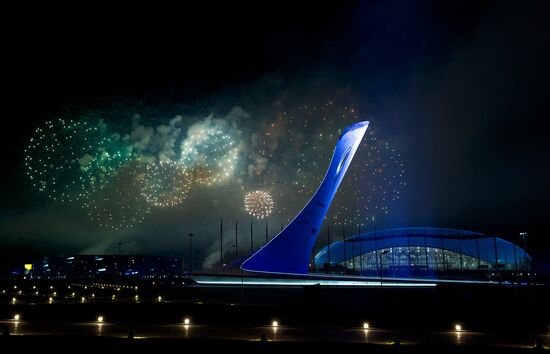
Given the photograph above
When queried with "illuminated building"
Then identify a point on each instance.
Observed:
(424, 251)
(86, 266)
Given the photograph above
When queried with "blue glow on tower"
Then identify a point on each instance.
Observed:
(290, 250)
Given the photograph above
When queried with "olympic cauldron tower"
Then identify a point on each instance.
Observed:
(290, 250)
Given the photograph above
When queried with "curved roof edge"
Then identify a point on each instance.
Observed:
(424, 231)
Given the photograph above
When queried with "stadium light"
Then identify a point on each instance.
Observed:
(523, 235)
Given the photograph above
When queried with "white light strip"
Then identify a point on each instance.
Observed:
(321, 283)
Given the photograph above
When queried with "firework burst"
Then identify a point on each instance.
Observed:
(259, 204)
(166, 184)
(373, 180)
(67, 160)
(119, 204)
(210, 155)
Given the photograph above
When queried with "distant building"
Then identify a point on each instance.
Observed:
(92, 266)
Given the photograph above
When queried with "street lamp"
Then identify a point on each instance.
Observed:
(380, 269)
(190, 251)
(523, 235)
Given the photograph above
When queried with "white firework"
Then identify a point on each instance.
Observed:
(166, 184)
(209, 155)
(258, 204)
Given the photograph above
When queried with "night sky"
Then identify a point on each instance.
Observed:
(173, 115)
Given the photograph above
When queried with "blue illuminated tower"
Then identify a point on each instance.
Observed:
(290, 250)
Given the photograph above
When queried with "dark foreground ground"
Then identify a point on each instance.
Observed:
(64, 316)
(72, 344)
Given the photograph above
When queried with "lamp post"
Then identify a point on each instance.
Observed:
(523, 235)
(236, 238)
(328, 248)
(190, 251)
(251, 238)
(20, 251)
(380, 269)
